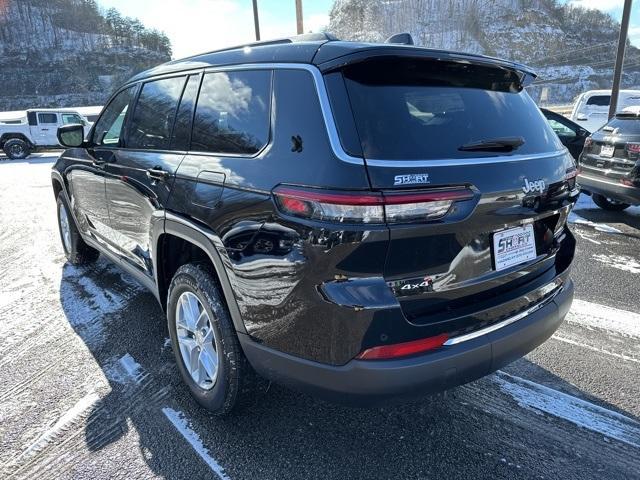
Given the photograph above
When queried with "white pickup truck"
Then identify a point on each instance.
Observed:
(34, 130)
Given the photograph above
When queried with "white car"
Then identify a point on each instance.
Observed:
(36, 129)
(591, 110)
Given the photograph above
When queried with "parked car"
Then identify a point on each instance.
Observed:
(591, 109)
(365, 222)
(36, 130)
(609, 167)
(570, 133)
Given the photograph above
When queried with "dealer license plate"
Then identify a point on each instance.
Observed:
(513, 246)
(607, 151)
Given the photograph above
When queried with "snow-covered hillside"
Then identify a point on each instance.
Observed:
(60, 53)
(571, 48)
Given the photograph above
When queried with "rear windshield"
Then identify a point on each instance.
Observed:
(599, 100)
(415, 109)
(627, 125)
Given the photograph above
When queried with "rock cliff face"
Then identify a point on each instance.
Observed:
(57, 53)
(572, 49)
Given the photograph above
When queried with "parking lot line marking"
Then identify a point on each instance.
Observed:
(540, 398)
(182, 425)
(601, 227)
(69, 417)
(596, 349)
(605, 318)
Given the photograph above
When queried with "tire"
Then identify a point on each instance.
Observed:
(607, 204)
(75, 248)
(16, 149)
(234, 383)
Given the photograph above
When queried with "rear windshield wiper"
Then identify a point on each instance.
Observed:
(503, 144)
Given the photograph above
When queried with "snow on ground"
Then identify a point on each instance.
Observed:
(601, 227)
(609, 319)
(621, 262)
(531, 395)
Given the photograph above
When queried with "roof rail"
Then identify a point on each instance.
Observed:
(305, 37)
(400, 38)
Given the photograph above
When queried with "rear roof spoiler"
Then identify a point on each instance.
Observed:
(368, 51)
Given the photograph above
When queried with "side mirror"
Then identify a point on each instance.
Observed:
(583, 132)
(71, 135)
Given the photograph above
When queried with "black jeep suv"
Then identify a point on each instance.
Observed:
(360, 221)
(610, 163)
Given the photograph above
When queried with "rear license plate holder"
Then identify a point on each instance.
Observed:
(513, 246)
(606, 151)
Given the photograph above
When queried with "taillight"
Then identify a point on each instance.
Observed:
(570, 177)
(385, 352)
(571, 173)
(633, 148)
(367, 207)
(588, 141)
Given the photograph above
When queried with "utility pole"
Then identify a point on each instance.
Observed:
(256, 22)
(622, 45)
(299, 17)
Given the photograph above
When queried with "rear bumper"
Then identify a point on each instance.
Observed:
(609, 188)
(365, 383)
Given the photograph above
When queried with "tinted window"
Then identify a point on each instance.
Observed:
(599, 100)
(416, 109)
(232, 115)
(154, 114)
(558, 126)
(626, 125)
(108, 130)
(47, 118)
(181, 137)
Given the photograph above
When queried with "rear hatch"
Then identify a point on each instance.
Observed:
(469, 131)
(614, 150)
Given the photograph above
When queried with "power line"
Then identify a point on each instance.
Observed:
(569, 78)
(568, 52)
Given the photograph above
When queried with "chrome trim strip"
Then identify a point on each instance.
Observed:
(446, 162)
(504, 323)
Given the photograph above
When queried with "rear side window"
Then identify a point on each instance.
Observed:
(155, 113)
(47, 118)
(181, 136)
(599, 100)
(232, 115)
(420, 110)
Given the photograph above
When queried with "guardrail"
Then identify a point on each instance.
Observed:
(561, 109)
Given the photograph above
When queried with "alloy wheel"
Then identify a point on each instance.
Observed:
(197, 341)
(65, 228)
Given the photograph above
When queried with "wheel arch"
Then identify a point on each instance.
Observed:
(11, 135)
(196, 243)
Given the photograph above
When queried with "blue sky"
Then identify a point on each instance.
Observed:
(202, 25)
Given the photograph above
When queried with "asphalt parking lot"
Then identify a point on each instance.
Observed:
(89, 388)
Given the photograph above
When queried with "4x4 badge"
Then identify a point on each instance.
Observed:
(535, 186)
(411, 179)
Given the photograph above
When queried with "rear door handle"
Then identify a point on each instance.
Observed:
(157, 173)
